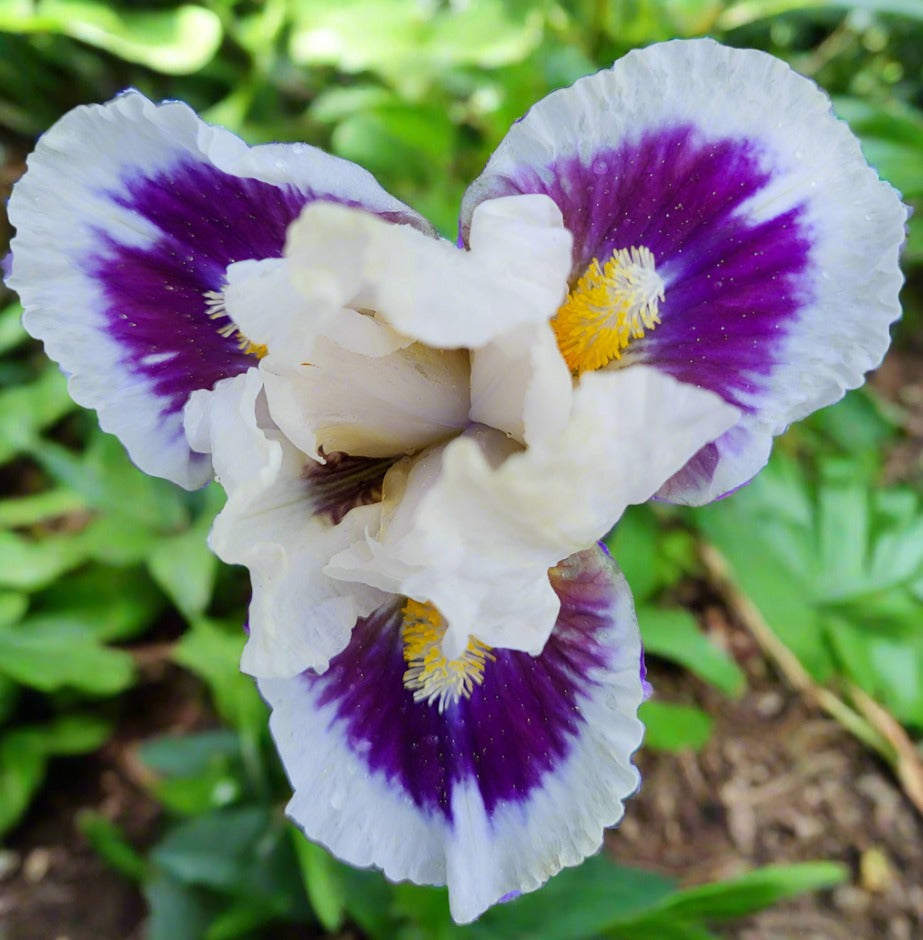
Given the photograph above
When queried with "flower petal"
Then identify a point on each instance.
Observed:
(521, 385)
(777, 245)
(366, 406)
(126, 220)
(502, 789)
(472, 527)
(279, 525)
(514, 273)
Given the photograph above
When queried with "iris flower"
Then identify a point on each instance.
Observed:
(659, 269)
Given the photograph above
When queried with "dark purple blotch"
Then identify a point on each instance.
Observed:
(515, 728)
(155, 295)
(343, 482)
(734, 286)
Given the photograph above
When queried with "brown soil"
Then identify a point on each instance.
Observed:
(779, 782)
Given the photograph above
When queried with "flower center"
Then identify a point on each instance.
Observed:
(609, 306)
(216, 310)
(429, 675)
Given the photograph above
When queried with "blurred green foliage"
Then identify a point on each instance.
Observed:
(94, 555)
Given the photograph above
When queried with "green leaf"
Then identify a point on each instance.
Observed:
(13, 606)
(244, 852)
(675, 635)
(22, 769)
(578, 902)
(185, 568)
(750, 11)
(30, 510)
(24, 755)
(109, 604)
(12, 333)
(31, 564)
(754, 891)
(672, 727)
(187, 754)
(51, 655)
(108, 841)
(634, 544)
(25, 410)
(105, 477)
(178, 911)
(175, 41)
(74, 734)
(201, 772)
(212, 651)
(323, 883)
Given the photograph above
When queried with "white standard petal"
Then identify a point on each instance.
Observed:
(369, 406)
(520, 384)
(514, 273)
(299, 618)
(472, 527)
(126, 219)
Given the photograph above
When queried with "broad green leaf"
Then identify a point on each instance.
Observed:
(634, 546)
(675, 635)
(215, 850)
(52, 655)
(752, 892)
(105, 477)
(24, 755)
(178, 911)
(30, 510)
(241, 851)
(185, 568)
(22, 769)
(576, 903)
(200, 772)
(409, 43)
(31, 564)
(25, 410)
(12, 333)
(74, 734)
(322, 881)
(13, 606)
(212, 651)
(9, 698)
(183, 755)
(110, 604)
(175, 41)
(672, 727)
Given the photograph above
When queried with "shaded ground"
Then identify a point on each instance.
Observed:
(780, 783)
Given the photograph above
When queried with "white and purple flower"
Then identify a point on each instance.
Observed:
(661, 267)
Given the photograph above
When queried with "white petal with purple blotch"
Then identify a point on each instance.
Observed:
(499, 791)
(127, 219)
(776, 244)
(471, 527)
(298, 617)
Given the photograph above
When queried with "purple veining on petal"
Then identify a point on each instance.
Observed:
(6, 266)
(516, 727)
(734, 285)
(647, 689)
(344, 482)
(157, 309)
